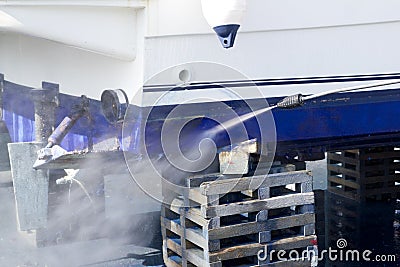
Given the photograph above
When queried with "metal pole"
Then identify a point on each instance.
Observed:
(45, 100)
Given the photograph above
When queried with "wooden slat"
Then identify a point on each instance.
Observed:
(375, 179)
(253, 183)
(247, 250)
(393, 166)
(343, 170)
(171, 263)
(195, 256)
(193, 214)
(292, 243)
(341, 158)
(190, 234)
(257, 205)
(193, 194)
(339, 192)
(353, 151)
(344, 182)
(174, 246)
(381, 155)
(381, 191)
(197, 180)
(345, 211)
(256, 227)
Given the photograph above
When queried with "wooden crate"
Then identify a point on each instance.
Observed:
(364, 174)
(224, 221)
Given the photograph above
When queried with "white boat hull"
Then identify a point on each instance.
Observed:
(88, 46)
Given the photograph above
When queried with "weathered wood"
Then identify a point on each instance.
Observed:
(260, 226)
(344, 182)
(235, 159)
(255, 182)
(341, 158)
(257, 205)
(264, 235)
(192, 235)
(364, 173)
(170, 263)
(340, 169)
(195, 256)
(200, 231)
(193, 214)
(306, 187)
(193, 194)
(252, 249)
(381, 155)
(197, 180)
(349, 195)
(215, 222)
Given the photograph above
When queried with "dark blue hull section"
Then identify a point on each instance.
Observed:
(332, 122)
(19, 117)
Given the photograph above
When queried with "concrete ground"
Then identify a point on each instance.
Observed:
(17, 249)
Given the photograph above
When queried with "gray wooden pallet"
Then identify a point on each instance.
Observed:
(223, 218)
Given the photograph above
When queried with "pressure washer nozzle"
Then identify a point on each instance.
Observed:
(292, 101)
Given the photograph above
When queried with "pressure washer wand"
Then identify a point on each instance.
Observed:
(298, 99)
(293, 101)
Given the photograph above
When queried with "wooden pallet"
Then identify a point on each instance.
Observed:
(364, 174)
(224, 221)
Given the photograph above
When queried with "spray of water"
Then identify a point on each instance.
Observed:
(224, 126)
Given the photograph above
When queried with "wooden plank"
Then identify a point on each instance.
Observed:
(247, 250)
(341, 158)
(345, 211)
(262, 216)
(174, 246)
(193, 214)
(215, 222)
(236, 252)
(380, 167)
(292, 243)
(190, 234)
(195, 256)
(171, 263)
(353, 151)
(381, 191)
(343, 170)
(193, 194)
(253, 183)
(197, 180)
(344, 182)
(376, 179)
(255, 227)
(381, 155)
(339, 192)
(257, 205)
